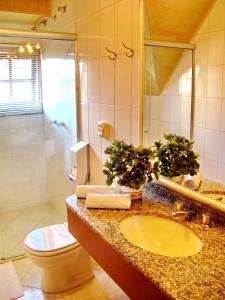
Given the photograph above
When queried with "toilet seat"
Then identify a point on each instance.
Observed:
(50, 241)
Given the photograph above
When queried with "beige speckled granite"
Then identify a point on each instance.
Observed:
(197, 277)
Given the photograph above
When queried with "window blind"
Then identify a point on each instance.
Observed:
(20, 81)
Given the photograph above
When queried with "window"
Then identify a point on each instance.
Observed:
(20, 88)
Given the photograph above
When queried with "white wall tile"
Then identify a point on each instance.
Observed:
(123, 81)
(212, 138)
(107, 114)
(123, 21)
(107, 30)
(94, 118)
(200, 112)
(93, 80)
(213, 113)
(107, 80)
(216, 48)
(215, 81)
(123, 123)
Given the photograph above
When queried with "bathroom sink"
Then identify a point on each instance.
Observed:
(160, 235)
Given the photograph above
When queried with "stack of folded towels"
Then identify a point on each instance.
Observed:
(100, 196)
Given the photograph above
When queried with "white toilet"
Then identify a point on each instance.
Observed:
(64, 263)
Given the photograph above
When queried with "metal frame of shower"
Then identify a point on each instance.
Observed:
(192, 47)
(47, 35)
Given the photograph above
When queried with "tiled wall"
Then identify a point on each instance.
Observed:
(109, 89)
(22, 161)
(210, 92)
(170, 111)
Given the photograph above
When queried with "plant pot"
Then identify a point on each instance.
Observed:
(176, 179)
(134, 194)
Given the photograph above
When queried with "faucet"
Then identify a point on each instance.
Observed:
(180, 211)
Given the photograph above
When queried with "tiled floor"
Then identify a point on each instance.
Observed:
(16, 224)
(101, 287)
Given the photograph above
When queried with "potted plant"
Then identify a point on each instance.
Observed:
(128, 167)
(175, 157)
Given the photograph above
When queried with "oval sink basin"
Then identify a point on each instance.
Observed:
(160, 235)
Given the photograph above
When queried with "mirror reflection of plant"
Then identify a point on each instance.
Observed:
(176, 156)
(130, 166)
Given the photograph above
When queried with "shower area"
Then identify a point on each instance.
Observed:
(38, 125)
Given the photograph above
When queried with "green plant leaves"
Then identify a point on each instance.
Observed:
(176, 156)
(130, 165)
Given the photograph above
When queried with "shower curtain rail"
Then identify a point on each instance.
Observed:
(49, 35)
(148, 42)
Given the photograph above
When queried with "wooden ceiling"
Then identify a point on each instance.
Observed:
(35, 7)
(24, 12)
(169, 20)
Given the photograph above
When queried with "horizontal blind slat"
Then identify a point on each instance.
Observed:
(16, 87)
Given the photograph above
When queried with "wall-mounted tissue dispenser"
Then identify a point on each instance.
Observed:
(79, 158)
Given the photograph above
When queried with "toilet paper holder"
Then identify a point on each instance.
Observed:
(80, 163)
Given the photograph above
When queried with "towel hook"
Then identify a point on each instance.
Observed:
(113, 56)
(131, 51)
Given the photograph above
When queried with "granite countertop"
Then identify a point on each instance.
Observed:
(196, 277)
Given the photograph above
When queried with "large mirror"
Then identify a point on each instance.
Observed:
(173, 99)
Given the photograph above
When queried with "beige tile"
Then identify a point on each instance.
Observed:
(123, 123)
(113, 292)
(200, 112)
(213, 113)
(223, 116)
(23, 267)
(32, 278)
(96, 166)
(216, 16)
(199, 145)
(94, 118)
(135, 126)
(93, 80)
(123, 81)
(35, 294)
(107, 114)
(91, 290)
(83, 121)
(221, 157)
(215, 81)
(93, 35)
(123, 27)
(107, 84)
(104, 3)
(216, 48)
(135, 25)
(107, 30)
(202, 49)
(212, 138)
(201, 81)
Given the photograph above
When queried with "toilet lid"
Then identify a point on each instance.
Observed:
(49, 238)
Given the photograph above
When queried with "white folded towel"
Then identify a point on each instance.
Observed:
(192, 182)
(83, 190)
(110, 201)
